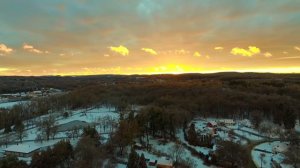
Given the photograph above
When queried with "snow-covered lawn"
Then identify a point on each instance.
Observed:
(222, 133)
(186, 154)
(103, 117)
(266, 160)
(93, 115)
(248, 135)
(9, 105)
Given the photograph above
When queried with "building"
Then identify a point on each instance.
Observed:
(21, 150)
(164, 162)
(152, 162)
(212, 124)
(227, 122)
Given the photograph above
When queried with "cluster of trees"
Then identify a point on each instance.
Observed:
(60, 155)
(26, 111)
(46, 128)
(162, 122)
(88, 153)
(202, 97)
(12, 161)
(273, 97)
(170, 102)
(194, 139)
(136, 161)
(292, 155)
(232, 155)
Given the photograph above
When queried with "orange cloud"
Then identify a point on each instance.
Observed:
(297, 48)
(30, 48)
(4, 49)
(252, 50)
(197, 54)
(219, 48)
(150, 51)
(267, 54)
(121, 50)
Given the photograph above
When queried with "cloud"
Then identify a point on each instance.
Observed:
(252, 50)
(285, 52)
(268, 54)
(30, 48)
(182, 52)
(5, 69)
(4, 49)
(219, 48)
(293, 57)
(121, 50)
(297, 48)
(197, 54)
(150, 51)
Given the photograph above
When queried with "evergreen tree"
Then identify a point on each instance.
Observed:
(92, 133)
(12, 161)
(289, 119)
(20, 130)
(192, 135)
(142, 163)
(133, 160)
(7, 129)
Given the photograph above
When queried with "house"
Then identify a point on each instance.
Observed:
(227, 122)
(164, 162)
(152, 162)
(211, 124)
(138, 146)
(21, 150)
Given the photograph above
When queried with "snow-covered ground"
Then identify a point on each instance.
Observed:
(102, 117)
(222, 133)
(264, 153)
(166, 148)
(9, 105)
(248, 135)
(203, 150)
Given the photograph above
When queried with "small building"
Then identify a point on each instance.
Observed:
(227, 121)
(152, 162)
(212, 124)
(21, 150)
(138, 146)
(164, 162)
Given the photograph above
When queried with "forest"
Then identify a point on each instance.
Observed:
(168, 103)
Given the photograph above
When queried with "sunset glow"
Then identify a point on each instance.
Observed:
(87, 37)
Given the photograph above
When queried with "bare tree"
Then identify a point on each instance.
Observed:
(87, 154)
(47, 127)
(232, 154)
(176, 152)
(20, 130)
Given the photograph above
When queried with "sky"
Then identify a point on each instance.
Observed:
(85, 37)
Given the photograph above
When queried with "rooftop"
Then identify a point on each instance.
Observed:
(22, 148)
